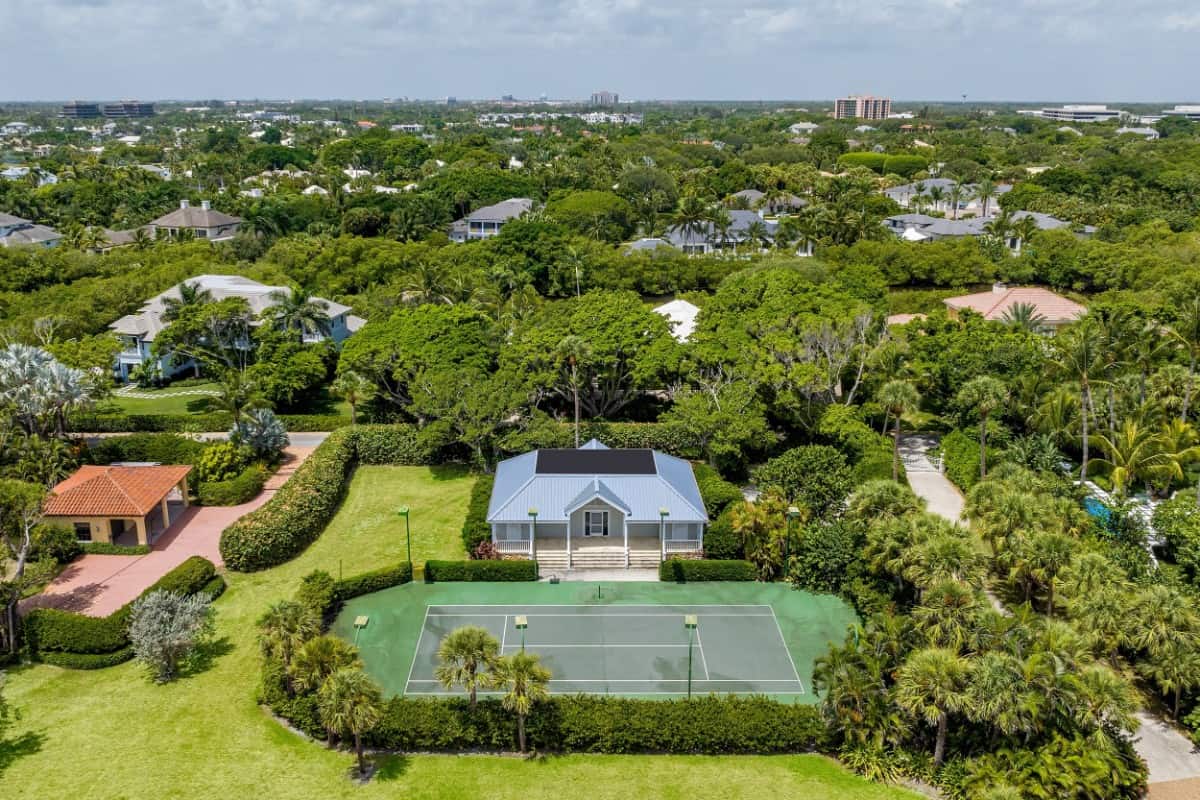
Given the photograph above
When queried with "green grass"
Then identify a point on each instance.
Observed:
(114, 734)
(167, 401)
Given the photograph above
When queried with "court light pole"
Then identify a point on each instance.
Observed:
(663, 513)
(522, 622)
(403, 511)
(689, 622)
(793, 514)
(533, 512)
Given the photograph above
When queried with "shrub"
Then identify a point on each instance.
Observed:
(904, 165)
(689, 570)
(316, 592)
(480, 571)
(261, 431)
(164, 448)
(826, 556)
(960, 458)
(373, 581)
(297, 513)
(109, 549)
(222, 461)
(475, 529)
(872, 161)
(54, 542)
(165, 630)
(194, 423)
(187, 578)
(86, 660)
(241, 489)
(717, 492)
(720, 541)
(814, 476)
(392, 444)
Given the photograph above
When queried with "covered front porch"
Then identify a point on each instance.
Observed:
(633, 544)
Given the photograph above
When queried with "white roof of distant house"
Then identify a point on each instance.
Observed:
(682, 317)
(30, 234)
(502, 211)
(188, 216)
(314, 189)
(148, 322)
(1055, 308)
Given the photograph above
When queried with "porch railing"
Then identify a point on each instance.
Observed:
(513, 546)
(681, 545)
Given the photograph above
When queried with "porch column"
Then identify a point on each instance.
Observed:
(140, 524)
(662, 531)
(183, 490)
(166, 512)
(625, 534)
(569, 559)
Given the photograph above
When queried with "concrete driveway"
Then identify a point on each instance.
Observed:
(99, 585)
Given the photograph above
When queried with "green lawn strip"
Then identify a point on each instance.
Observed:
(166, 401)
(113, 734)
(807, 622)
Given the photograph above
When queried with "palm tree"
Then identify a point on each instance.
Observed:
(190, 295)
(315, 662)
(721, 224)
(295, 309)
(1079, 354)
(1133, 452)
(355, 389)
(570, 352)
(1177, 669)
(756, 235)
(525, 681)
(1187, 330)
(466, 657)
(931, 685)
(957, 194)
(985, 394)
(284, 629)
(1024, 229)
(1046, 556)
(1179, 445)
(691, 219)
(898, 397)
(350, 702)
(984, 190)
(237, 394)
(1025, 316)
(936, 195)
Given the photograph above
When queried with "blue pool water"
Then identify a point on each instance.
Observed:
(1097, 509)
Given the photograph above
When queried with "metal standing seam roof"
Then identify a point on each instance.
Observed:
(520, 486)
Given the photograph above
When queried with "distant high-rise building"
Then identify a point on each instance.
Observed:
(77, 110)
(606, 99)
(1189, 112)
(1081, 113)
(129, 108)
(862, 107)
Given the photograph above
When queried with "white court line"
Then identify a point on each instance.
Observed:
(605, 645)
(634, 693)
(504, 633)
(651, 680)
(416, 651)
(703, 660)
(593, 605)
(786, 650)
(603, 616)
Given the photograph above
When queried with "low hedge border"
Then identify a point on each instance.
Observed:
(448, 571)
(67, 638)
(320, 592)
(235, 491)
(86, 660)
(194, 423)
(108, 549)
(682, 570)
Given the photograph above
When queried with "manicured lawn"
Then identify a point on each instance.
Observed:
(113, 734)
(166, 401)
(437, 501)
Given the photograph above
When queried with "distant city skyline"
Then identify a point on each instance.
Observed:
(1134, 51)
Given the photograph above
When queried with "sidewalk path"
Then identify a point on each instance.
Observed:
(99, 585)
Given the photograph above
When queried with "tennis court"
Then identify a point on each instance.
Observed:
(621, 639)
(627, 649)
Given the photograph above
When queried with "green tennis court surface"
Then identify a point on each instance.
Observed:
(617, 639)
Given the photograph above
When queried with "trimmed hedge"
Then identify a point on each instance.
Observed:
(717, 492)
(515, 570)
(87, 660)
(960, 457)
(52, 630)
(235, 491)
(194, 423)
(109, 549)
(714, 724)
(392, 444)
(476, 529)
(373, 581)
(296, 515)
(165, 448)
(683, 570)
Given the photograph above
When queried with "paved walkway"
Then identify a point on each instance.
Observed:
(1173, 761)
(99, 585)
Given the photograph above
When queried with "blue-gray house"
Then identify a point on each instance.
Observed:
(596, 507)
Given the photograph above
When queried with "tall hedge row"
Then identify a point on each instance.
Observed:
(683, 570)
(488, 570)
(77, 640)
(475, 529)
(193, 423)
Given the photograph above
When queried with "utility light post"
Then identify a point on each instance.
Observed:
(521, 623)
(689, 622)
(403, 511)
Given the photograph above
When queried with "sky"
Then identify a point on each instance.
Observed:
(990, 50)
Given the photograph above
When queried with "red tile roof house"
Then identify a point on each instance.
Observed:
(1055, 309)
(107, 504)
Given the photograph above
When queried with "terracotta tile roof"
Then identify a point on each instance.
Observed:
(902, 319)
(96, 491)
(992, 305)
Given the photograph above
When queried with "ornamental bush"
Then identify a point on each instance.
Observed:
(54, 542)
(222, 461)
(374, 581)
(242, 488)
(814, 476)
(476, 529)
(683, 570)
(164, 448)
(392, 444)
(316, 592)
(194, 423)
(522, 570)
(720, 541)
(717, 492)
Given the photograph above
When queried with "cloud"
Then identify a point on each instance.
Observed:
(644, 48)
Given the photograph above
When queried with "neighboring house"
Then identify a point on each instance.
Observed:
(970, 201)
(22, 173)
(803, 127)
(755, 200)
(1149, 134)
(205, 222)
(646, 245)
(486, 222)
(137, 332)
(1054, 309)
(707, 239)
(314, 189)
(119, 504)
(902, 319)
(682, 317)
(18, 232)
(924, 228)
(596, 507)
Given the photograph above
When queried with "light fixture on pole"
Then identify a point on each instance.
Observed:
(793, 514)
(521, 623)
(663, 513)
(533, 512)
(403, 511)
(689, 622)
